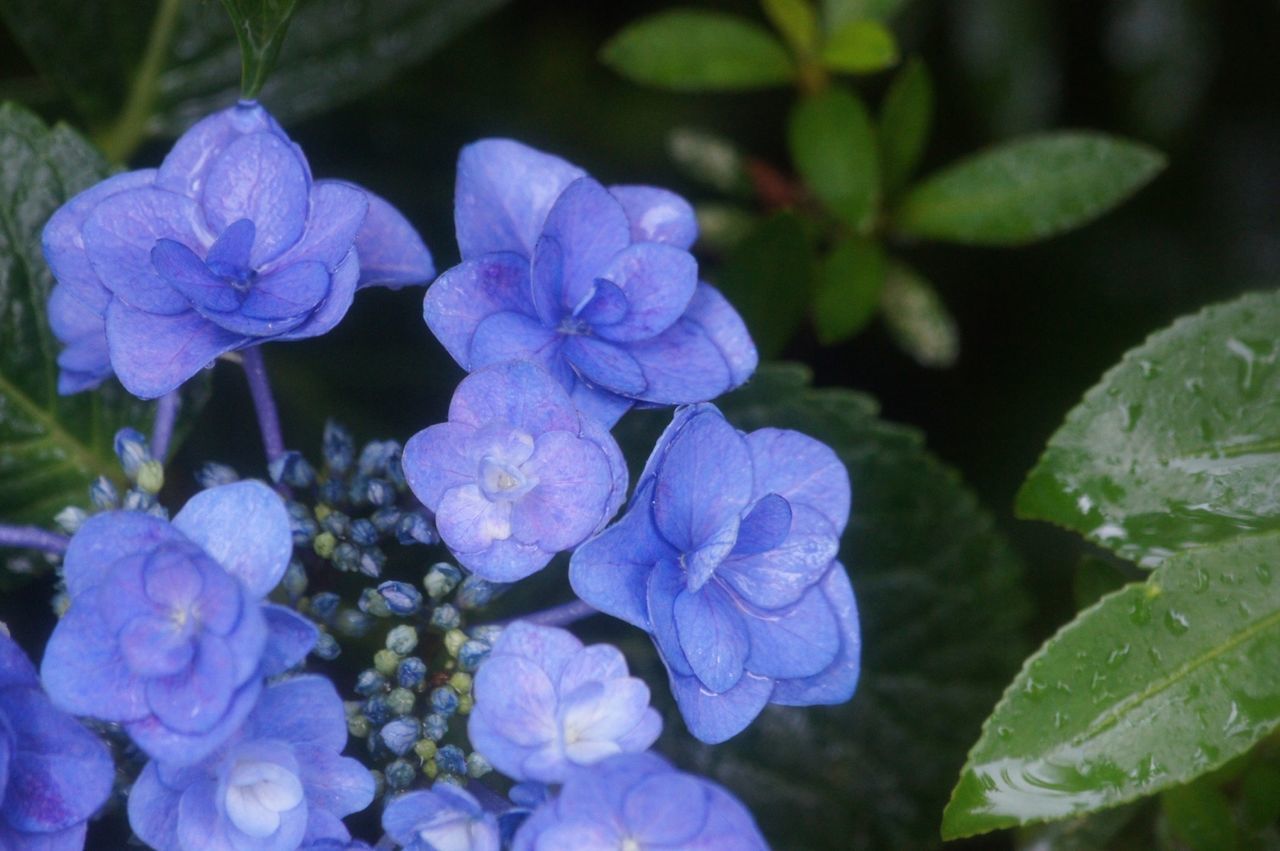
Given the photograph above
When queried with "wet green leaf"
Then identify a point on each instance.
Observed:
(769, 277)
(917, 319)
(860, 47)
(905, 118)
(260, 26)
(833, 146)
(1159, 683)
(51, 446)
(849, 283)
(1179, 445)
(693, 50)
(1027, 190)
(796, 20)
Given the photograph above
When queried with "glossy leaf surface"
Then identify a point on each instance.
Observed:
(833, 146)
(905, 119)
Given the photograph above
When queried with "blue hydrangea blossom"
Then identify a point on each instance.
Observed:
(596, 284)
(53, 772)
(230, 243)
(639, 801)
(278, 783)
(726, 556)
(166, 633)
(544, 703)
(517, 474)
(445, 818)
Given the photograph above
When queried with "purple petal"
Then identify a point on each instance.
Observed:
(700, 564)
(153, 809)
(245, 528)
(187, 274)
(289, 291)
(605, 364)
(517, 701)
(766, 526)
(599, 435)
(839, 680)
(120, 233)
(723, 326)
(334, 783)
(517, 394)
(185, 169)
(601, 406)
(509, 336)
(391, 252)
(657, 215)
(468, 522)
(704, 479)
(326, 832)
(153, 648)
(154, 354)
(608, 304)
(201, 826)
(106, 538)
(303, 710)
(505, 561)
(337, 212)
(717, 717)
(262, 178)
(713, 636)
(573, 491)
(658, 282)
(504, 192)
(777, 577)
(194, 700)
(590, 664)
(85, 674)
(176, 750)
(84, 362)
(15, 668)
(290, 638)
(438, 458)
(590, 228)
(550, 648)
(466, 295)
(666, 810)
(799, 641)
(601, 713)
(803, 470)
(666, 582)
(231, 250)
(342, 290)
(546, 275)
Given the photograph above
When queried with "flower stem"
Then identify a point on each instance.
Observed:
(562, 615)
(32, 538)
(263, 402)
(162, 432)
(120, 139)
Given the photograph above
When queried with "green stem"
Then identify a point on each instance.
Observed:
(120, 140)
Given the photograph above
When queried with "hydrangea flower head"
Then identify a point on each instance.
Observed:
(726, 556)
(517, 474)
(229, 243)
(638, 801)
(166, 633)
(53, 772)
(544, 704)
(278, 783)
(596, 284)
(445, 818)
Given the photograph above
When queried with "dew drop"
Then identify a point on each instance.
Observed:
(1117, 656)
(1264, 573)
(1176, 622)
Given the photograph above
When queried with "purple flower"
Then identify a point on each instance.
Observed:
(53, 773)
(517, 474)
(595, 284)
(278, 783)
(544, 704)
(445, 818)
(166, 633)
(726, 557)
(639, 801)
(228, 244)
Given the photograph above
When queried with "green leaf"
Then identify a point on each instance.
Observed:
(769, 278)
(849, 285)
(796, 20)
(838, 13)
(1026, 190)
(260, 26)
(860, 47)
(709, 159)
(692, 51)
(942, 612)
(1199, 814)
(1159, 683)
(905, 118)
(51, 446)
(917, 319)
(1179, 445)
(833, 147)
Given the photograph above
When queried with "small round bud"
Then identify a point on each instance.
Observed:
(332, 492)
(402, 640)
(327, 647)
(401, 597)
(353, 623)
(386, 661)
(337, 523)
(466, 703)
(425, 749)
(136, 500)
(291, 469)
(399, 774)
(325, 605)
(103, 494)
(471, 654)
(413, 528)
(373, 603)
(461, 683)
(444, 700)
(477, 593)
(338, 447)
(371, 562)
(451, 760)
(370, 682)
(379, 783)
(378, 456)
(71, 518)
(379, 492)
(454, 639)
(358, 726)
(213, 474)
(401, 701)
(295, 579)
(346, 557)
(445, 617)
(411, 673)
(399, 735)
(429, 769)
(377, 710)
(384, 520)
(325, 544)
(488, 633)
(363, 532)
(150, 477)
(132, 450)
(441, 578)
(477, 766)
(435, 727)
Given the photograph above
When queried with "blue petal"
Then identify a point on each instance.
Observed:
(777, 577)
(337, 213)
(245, 527)
(154, 354)
(717, 717)
(175, 749)
(604, 364)
(589, 227)
(658, 282)
(666, 583)
(508, 336)
(187, 274)
(729, 826)
(599, 435)
(597, 404)
(574, 489)
(607, 306)
(185, 169)
(201, 826)
(799, 641)
(336, 303)
(839, 680)
(153, 809)
(550, 648)
(803, 470)
(262, 178)
(334, 783)
(303, 710)
(229, 254)
(713, 635)
(546, 276)
(667, 810)
(85, 674)
(518, 394)
(292, 290)
(15, 668)
(505, 561)
(438, 458)
(657, 215)
(193, 701)
(290, 638)
(703, 480)
(391, 252)
(766, 526)
(106, 538)
(504, 192)
(85, 361)
(466, 295)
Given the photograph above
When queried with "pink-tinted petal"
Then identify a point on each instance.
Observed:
(154, 354)
(657, 215)
(262, 178)
(658, 282)
(803, 470)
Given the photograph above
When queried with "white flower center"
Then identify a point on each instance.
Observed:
(257, 793)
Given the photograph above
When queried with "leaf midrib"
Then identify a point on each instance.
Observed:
(55, 432)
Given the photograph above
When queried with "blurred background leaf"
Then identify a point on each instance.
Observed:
(260, 27)
(850, 281)
(833, 146)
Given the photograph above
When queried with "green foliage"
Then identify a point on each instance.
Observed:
(860, 47)
(1179, 445)
(1027, 190)
(796, 20)
(837, 13)
(942, 615)
(848, 293)
(1200, 816)
(1154, 686)
(51, 446)
(769, 278)
(693, 50)
(917, 319)
(260, 26)
(905, 118)
(833, 146)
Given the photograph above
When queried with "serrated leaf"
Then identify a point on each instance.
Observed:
(1159, 683)
(1028, 189)
(769, 278)
(860, 47)
(850, 280)
(905, 119)
(260, 26)
(796, 20)
(942, 609)
(1179, 445)
(833, 146)
(917, 319)
(837, 13)
(51, 446)
(692, 50)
